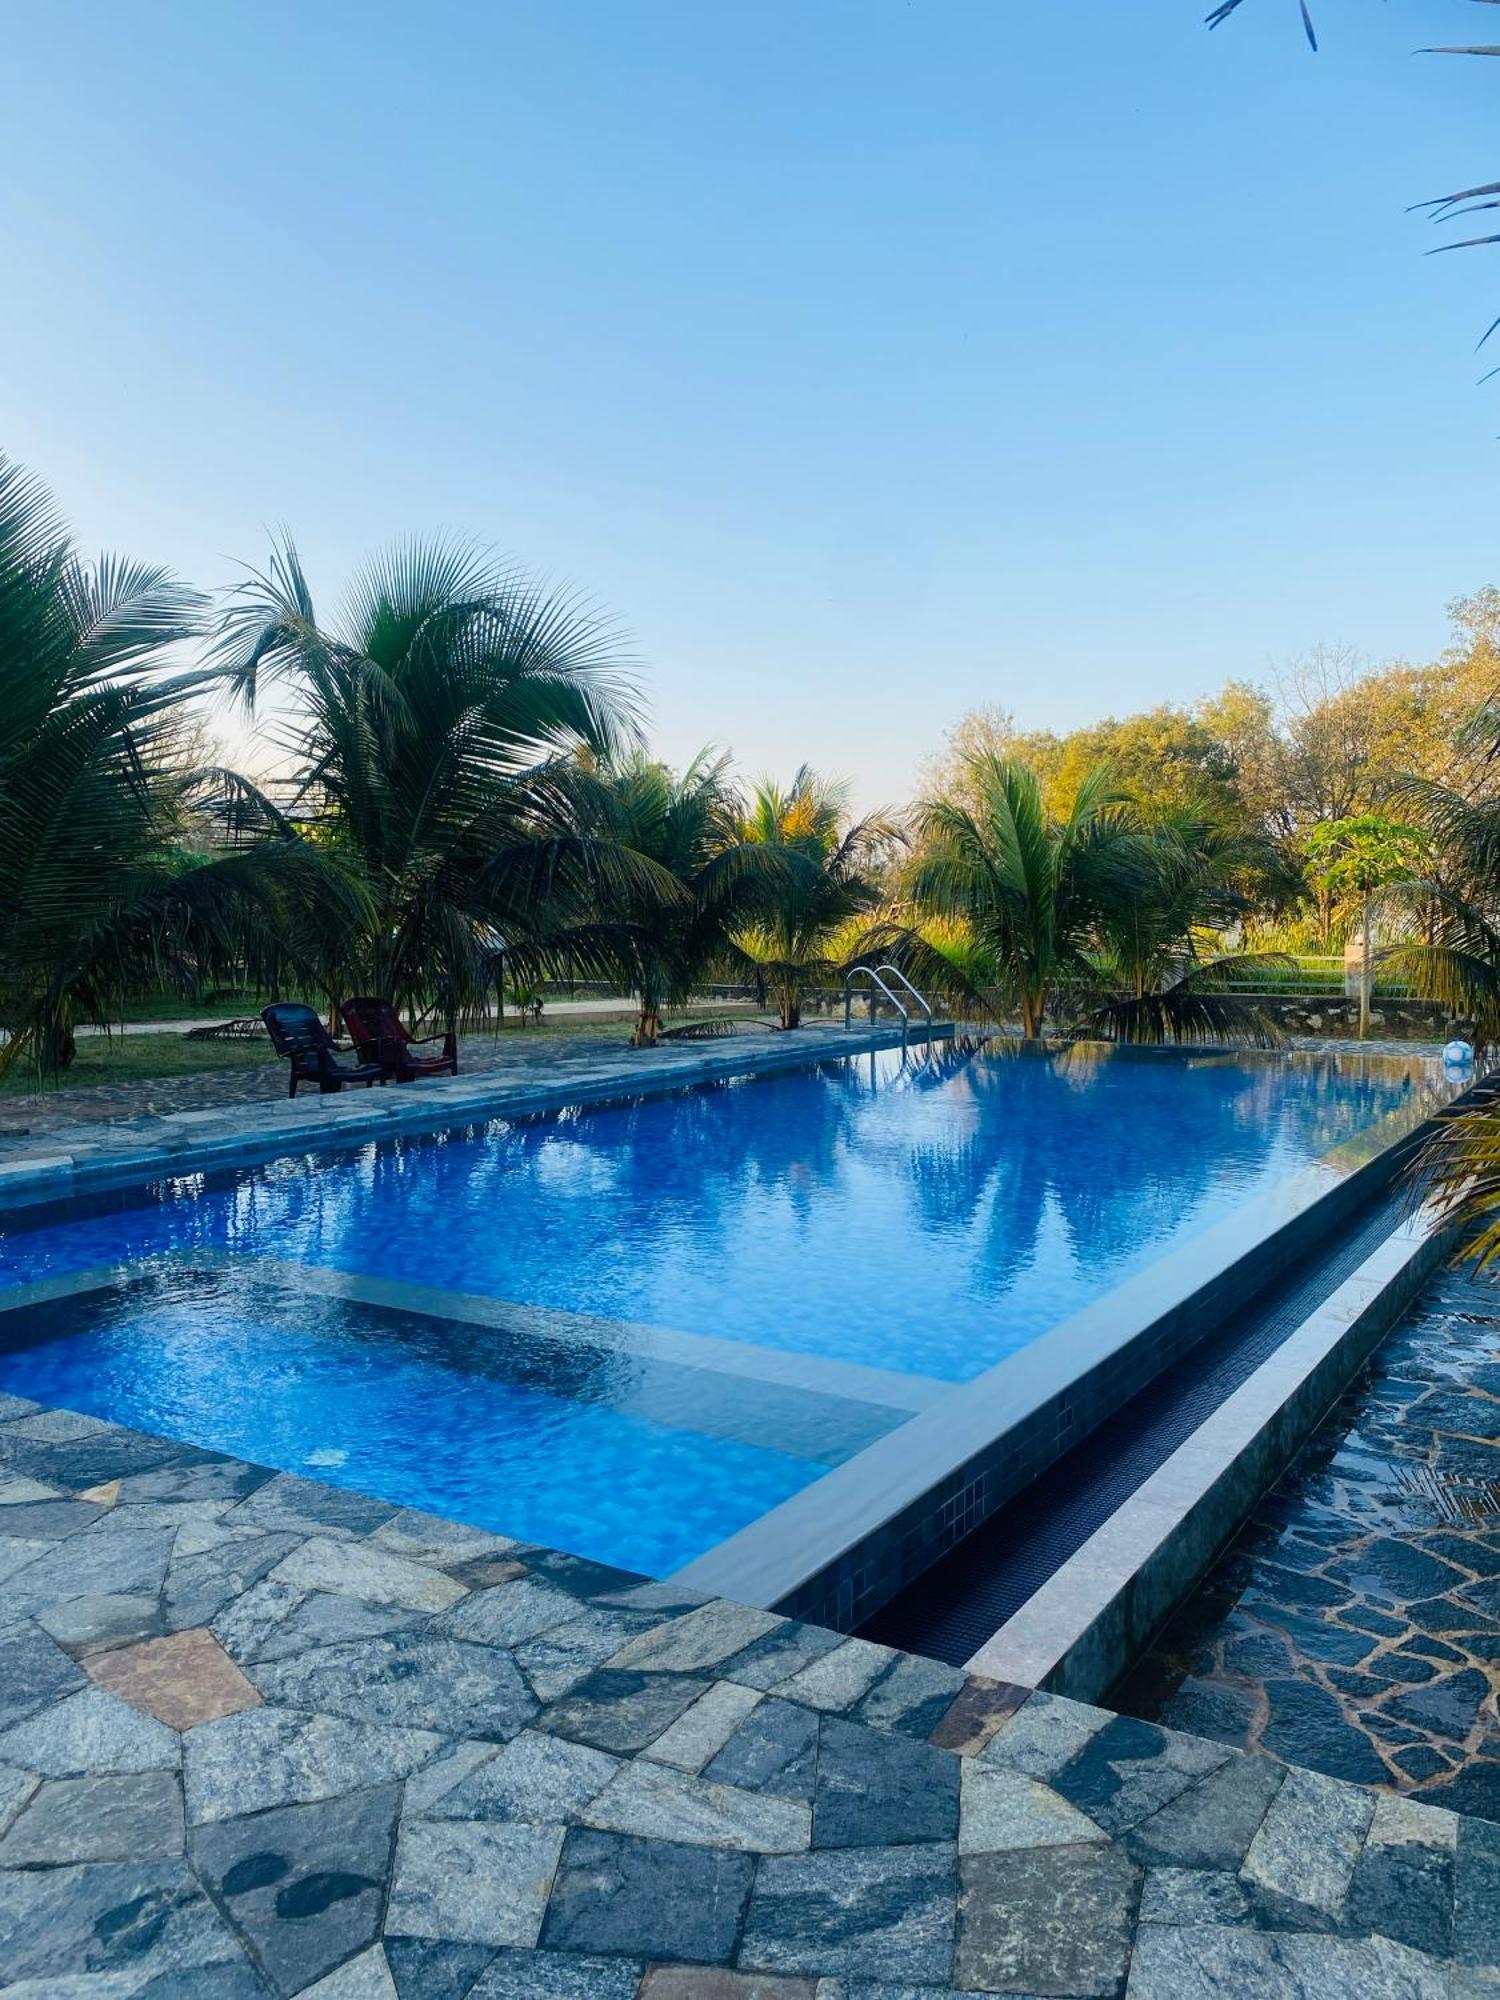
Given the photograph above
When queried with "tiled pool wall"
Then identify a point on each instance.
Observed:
(835, 1554)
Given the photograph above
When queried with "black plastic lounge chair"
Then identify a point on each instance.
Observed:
(377, 1032)
(298, 1034)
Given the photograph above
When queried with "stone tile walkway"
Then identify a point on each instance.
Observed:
(261, 1737)
(1355, 1625)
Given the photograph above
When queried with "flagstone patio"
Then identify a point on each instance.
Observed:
(261, 1736)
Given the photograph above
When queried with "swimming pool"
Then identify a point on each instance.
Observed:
(631, 1329)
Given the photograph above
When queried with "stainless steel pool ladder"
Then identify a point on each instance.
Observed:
(877, 976)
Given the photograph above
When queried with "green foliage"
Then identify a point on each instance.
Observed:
(446, 726)
(100, 893)
(825, 877)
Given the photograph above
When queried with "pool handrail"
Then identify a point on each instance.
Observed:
(876, 975)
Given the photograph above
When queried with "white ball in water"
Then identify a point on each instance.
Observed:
(1458, 1052)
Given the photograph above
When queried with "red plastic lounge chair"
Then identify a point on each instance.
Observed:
(376, 1031)
(298, 1034)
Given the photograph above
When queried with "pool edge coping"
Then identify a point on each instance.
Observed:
(1083, 1628)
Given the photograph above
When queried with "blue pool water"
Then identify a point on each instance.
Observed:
(927, 1223)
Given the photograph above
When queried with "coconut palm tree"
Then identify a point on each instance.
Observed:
(679, 930)
(1032, 891)
(106, 885)
(826, 877)
(1160, 958)
(445, 731)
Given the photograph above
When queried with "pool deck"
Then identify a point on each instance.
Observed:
(260, 1736)
(522, 1076)
(1354, 1624)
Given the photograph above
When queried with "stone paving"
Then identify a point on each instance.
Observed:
(261, 1737)
(1355, 1625)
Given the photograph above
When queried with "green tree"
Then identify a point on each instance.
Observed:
(444, 729)
(106, 887)
(827, 876)
(1031, 888)
(680, 925)
(1356, 858)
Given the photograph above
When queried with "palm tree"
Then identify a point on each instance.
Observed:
(1159, 954)
(1030, 890)
(447, 725)
(679, 929)
(826, 878)
(101, 891)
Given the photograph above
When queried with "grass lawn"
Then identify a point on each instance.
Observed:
(127, 1058)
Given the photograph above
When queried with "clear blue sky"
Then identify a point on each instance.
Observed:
(870, 359)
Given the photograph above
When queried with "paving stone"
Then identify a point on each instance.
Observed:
(1205, 1963)
(912, 1698)
(701, 1731)
(558, 1659)
(1403, 1890)
(34, 1670)
(1187, 1896)
(659, 1803)
(1060, 1920)
(435, 1968)
(839, 1679)
(182, 1680)
(1044, 1735)
(275, 1757)
(1006, 1809)
(358, 1569)
(648, 1899)
(1309, 1842)
(86, 1622)
(429, 1538)
(702, 1638)
(774, 1750)
(16, 1552)
(149, 1922)
(1131, 1769)
(587, 1580)
(198, 1587)
(110, 1454)
(417, 1680)
(1308, 1725)
(90, 1732)
(16, 1787)
(271, 1629)
(1448, 1707)
(1476, 1894)
(863, 1912)
(544, 1779)
(621, 1711)
(98, 1819)
(557, 1975)
(700, 1982)
(510, 1613)
(367, 1977)
(48, 1521)
(780, 1654)
(96, 1563)
(977, 1713)
(56, 1426)
(220, 1479)
(875, 1790)
(1212, 1823)
(474, 1881)
(307, 1507)
(304, 1883)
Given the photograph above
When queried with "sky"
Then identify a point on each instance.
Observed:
(864, 360)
